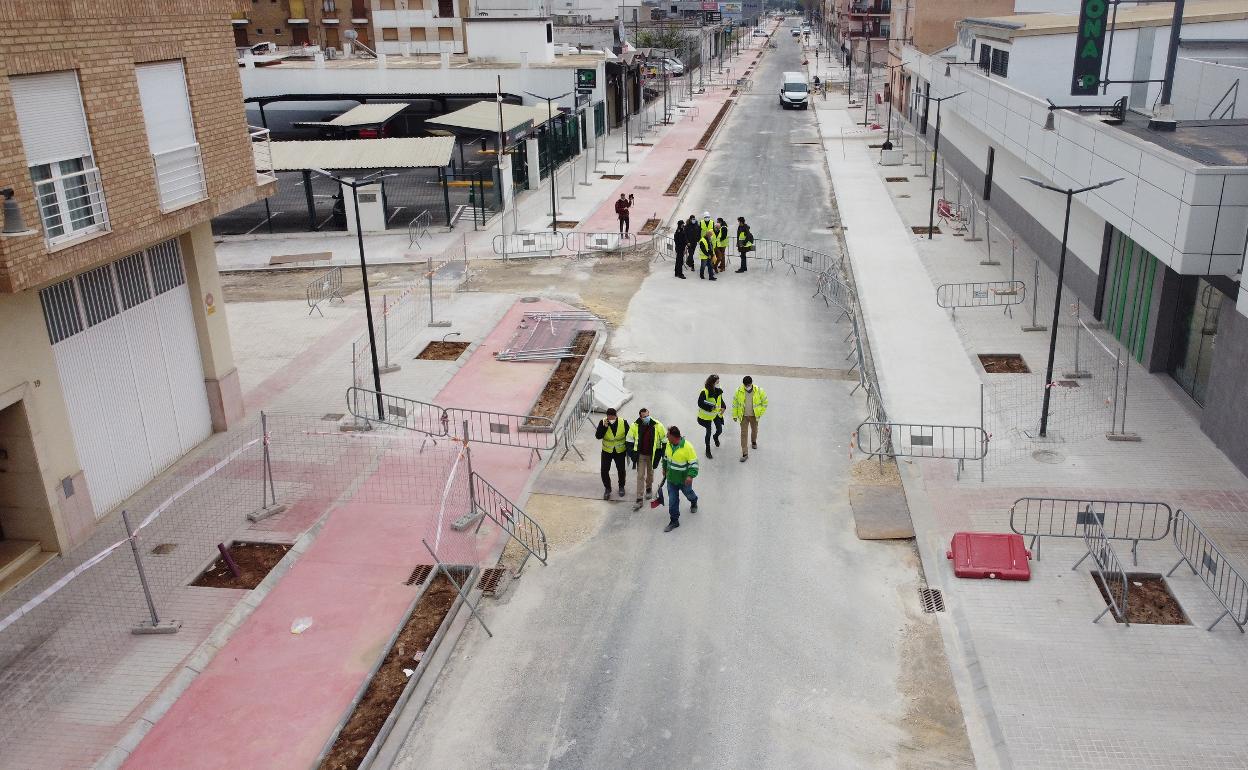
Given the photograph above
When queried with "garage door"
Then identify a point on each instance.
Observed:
(125, 346)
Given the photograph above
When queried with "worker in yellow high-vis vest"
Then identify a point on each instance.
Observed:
(711, 411)
(749, 404)
(613, 432)
(721, 245)
(745, 241)
(706, 253)
(645, 448)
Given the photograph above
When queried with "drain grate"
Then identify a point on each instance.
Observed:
(164, 549)
(332, 417)
(490, 578)
(419, 575)
(896, 179)
(932, 599)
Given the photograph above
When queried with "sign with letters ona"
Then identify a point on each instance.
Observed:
(1089, 47)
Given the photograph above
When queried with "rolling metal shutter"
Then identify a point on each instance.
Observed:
(50, 117)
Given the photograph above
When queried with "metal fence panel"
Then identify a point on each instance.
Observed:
(518, 430)
(495, 506)
(1109, 573)
(1066, 517)
(981, 294)
(1207, 562)
(325, 288)
(529, 243)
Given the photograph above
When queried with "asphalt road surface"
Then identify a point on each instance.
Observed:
(762, 632)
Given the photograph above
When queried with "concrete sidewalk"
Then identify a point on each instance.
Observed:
(1042, 686)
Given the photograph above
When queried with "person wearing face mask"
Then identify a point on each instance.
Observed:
(612, 431)
(692, 234)
(711, 411)
(645, 449)
(748, 406)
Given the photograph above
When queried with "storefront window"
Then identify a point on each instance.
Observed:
(1196, 333)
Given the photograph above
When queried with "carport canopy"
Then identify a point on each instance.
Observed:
(407, 152)
(367, 115)
(482, 117)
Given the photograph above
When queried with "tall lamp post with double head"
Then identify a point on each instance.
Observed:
(355, 184)
(550, 153)
(1070, 193)
(931, 213)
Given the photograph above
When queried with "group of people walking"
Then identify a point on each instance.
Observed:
(708, 240)
(649, 445)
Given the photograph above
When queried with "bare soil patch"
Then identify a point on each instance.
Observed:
(266, 285)
(387, 684)
(602, 286)
(650, 227)
(254, 561)
(1149, 601)
(872, 472)
(556, 389)
(1003, 363)
(710, 130)
(612, 176)
(922, 230)
(443, 351)
(686, 169)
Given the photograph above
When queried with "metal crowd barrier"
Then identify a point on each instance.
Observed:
(1069, 517)
(509, 518)
(326, 288)
(1207, 562)
(942, 442)
(398, 411)
(981, 294)
(529, 243)
(1109, 570)
(418, 228)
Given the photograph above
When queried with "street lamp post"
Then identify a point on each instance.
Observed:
(931, 212)
(550, 153)
(1070, 193)
(355, 184)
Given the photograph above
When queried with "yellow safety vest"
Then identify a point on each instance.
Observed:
(706, 227)
(744, 240)
(721, 237)
(738, 402)
(613, 440)
(719, 406)
(634, 432)
(706, 246)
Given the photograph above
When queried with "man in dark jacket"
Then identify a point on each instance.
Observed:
(745, 241)
(679, 237)
(621, 210)
(691, 240)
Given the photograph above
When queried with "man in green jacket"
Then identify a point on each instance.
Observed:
(680, 468)
(748, 406)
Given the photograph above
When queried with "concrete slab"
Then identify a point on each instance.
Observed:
(880, 512)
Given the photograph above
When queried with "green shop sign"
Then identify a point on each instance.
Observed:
(1089, 47)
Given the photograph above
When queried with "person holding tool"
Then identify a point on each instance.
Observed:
(680, 468)
(621, 211)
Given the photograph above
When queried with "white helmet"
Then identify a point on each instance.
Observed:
(706, 215)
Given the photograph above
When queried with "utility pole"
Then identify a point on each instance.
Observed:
(931, 213)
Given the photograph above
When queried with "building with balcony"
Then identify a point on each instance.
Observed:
(123, 135)
(1157, 256)
(306, 22)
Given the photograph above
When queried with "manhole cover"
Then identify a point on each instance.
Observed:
(922, 230)
(1003, 363)
(419, 575)
(490, 578)
(896, 179)
(1067, 384)
(1047, 456)
(332, 417)
(164, 549)
(903, 196)
(932, 600)
(530, 299)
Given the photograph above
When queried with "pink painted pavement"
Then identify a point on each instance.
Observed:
(663, 162)
(271, 698)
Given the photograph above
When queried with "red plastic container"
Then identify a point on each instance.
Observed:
(989, 555)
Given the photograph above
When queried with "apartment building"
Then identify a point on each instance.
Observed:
(123, 134)
(305, 22)
(1157, 256)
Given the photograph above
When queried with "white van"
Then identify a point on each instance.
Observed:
(793, 91)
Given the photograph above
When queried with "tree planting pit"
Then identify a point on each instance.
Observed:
(439, 350)
(1149, 600)
(1003, 363)
(254, 562)
(686, 168)
(552, 396)
(407, 652)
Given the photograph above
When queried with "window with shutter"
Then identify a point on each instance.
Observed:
(171, 134)
(54, 134)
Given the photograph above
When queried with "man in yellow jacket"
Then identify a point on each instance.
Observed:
(645, 448)
(748, 407)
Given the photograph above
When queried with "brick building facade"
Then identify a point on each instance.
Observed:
(123, 134)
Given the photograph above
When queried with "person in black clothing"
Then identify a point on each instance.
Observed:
(613, 432)
(679, 236)
(691, 239)
(711, 401)
(745, 241)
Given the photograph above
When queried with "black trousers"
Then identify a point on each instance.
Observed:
(707, 264)
(690, 254)
(743, 253)
(607, 459)
(623, 224)
(717, 424)
(680, 261)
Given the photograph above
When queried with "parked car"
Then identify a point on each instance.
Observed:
(758, 33)
(796, 32)
(793, 91)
